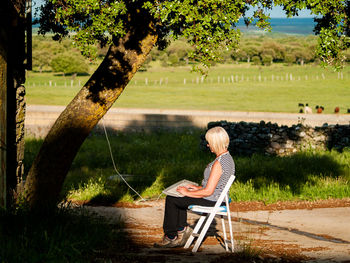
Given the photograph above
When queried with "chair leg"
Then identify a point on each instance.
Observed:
(195, 231)
(203, 232)
(224, 231)
(231, 232)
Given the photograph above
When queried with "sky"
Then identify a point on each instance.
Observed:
(277, 12)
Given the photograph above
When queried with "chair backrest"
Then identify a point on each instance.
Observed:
(224, 192)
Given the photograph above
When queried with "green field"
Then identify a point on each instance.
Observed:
(229, 87)
(160, 159)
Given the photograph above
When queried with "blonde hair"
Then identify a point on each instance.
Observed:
(218, 139)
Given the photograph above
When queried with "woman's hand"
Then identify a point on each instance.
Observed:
(192, 187)
(182, 190)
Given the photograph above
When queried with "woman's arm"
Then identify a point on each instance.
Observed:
(208, 190)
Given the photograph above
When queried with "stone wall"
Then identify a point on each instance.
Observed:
(247, 138)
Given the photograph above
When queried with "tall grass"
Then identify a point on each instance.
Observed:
(156, 160)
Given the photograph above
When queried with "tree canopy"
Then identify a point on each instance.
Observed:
(208, 25)
(131, 28)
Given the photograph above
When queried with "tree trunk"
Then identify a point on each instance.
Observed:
(124, 57)
(12, 103)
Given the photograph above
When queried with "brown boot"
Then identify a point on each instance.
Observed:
(184, 235)
(167, 242)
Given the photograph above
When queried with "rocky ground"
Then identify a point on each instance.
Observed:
(283, 232)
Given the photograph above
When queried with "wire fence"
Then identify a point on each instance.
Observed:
(288, 77)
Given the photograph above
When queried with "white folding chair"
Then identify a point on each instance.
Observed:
(209, 213)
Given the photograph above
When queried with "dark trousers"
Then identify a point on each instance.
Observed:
(175, 214)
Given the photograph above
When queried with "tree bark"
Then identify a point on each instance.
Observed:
(12, 103)
(124, 57)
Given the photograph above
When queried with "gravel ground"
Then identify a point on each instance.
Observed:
(282, 232)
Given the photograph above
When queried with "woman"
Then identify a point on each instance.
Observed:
(216, 175)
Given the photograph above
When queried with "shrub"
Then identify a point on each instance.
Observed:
(173, 60)
(289, 58)
(256, 60)
(267, 60)
(69, 64)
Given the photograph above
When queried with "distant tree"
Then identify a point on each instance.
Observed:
(173, 60)
(240, 55)
(41, 59)
(266, 59)
(251, 51)
(256, 60)
(278, 50)
(267, 54)
(180, 49)
(289, 58)
(303, 55)
(69, 64)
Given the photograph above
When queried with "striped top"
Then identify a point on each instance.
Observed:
(228, 169)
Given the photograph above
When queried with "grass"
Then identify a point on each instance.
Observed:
(161, 158)
(62, 235)
(245, 94)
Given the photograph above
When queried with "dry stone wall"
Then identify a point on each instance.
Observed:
(247, 138)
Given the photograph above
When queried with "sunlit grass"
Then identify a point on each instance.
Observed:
(157, 160)
(253, 88)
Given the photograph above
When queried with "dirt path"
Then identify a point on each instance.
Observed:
(283, 232)
(39, 118)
